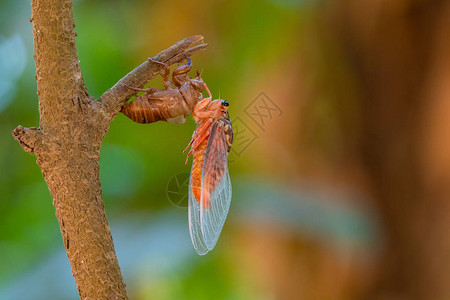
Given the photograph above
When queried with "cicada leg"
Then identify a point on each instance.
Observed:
(198, 112)
(196, 143)
(199, 136)
(192, 140)
(187, 147)
(207, 90)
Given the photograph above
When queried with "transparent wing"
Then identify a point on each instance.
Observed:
(194, 224)
(216, 187)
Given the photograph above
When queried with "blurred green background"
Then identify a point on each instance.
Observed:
(337, 151)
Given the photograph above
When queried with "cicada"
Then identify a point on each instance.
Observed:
(209, 184)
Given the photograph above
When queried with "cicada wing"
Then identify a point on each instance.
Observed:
(195, 224)
(213, 217)
(216, 187)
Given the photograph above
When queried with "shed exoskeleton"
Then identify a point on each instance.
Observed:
(173, 103)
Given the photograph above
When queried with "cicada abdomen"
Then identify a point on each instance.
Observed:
(141, 110)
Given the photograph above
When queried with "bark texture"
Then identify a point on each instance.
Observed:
(67, 143)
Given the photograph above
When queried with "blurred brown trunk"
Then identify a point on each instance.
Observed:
(400, 51)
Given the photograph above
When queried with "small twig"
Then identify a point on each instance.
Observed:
(27, 137)
(114, 98)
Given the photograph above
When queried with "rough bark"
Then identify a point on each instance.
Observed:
(67, 143)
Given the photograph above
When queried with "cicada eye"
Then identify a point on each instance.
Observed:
(225, 103)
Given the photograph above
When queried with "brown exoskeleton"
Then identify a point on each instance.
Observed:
(173, 103)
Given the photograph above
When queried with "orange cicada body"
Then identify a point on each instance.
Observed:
(209, 185)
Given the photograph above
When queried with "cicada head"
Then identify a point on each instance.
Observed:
(219, 105)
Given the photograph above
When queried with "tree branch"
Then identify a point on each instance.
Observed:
(114, 98)
(67, 146)
(56, 53)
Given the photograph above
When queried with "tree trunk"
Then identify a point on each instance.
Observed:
(68, 140)
(399, 50)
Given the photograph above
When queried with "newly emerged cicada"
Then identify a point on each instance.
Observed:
(209, 185)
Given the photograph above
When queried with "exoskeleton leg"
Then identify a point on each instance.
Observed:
(179, 74)
(165, 74)
(147, 90)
